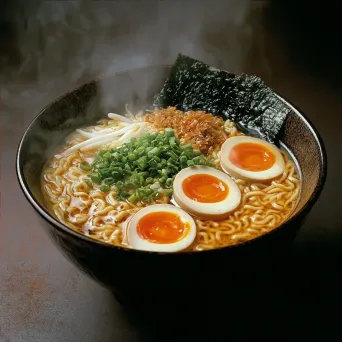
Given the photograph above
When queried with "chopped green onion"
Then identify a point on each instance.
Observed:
(162, 180)
(169, 181)
(85, 166)
(88, 182)
(187, 147)
(172, 141)
(183, 160)
(133, 199)
(153, 164)
(104, 187)
(143, 167)
(117, 156)
(169, 132)
(140, 150)
(168, 192)
(95, 179)
(109, 181)
(132, 157)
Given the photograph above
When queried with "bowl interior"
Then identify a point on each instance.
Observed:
(91, 102)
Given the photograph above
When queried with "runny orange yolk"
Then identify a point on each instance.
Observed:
(252, 157)
(162, 227)
(205, 188)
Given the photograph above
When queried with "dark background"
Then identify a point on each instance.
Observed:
(293, 45)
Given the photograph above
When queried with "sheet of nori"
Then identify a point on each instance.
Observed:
(244, 99)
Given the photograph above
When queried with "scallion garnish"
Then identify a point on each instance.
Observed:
(144, 168)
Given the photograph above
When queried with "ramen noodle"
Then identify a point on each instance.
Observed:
(102, 208)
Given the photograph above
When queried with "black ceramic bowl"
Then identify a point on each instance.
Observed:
(134, 274)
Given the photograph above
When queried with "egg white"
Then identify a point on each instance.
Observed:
(206, 211)
(137, 242)
(273, 172)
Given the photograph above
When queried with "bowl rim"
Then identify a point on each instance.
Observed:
(56, 224)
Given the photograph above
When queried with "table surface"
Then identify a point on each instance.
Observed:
(43, 297)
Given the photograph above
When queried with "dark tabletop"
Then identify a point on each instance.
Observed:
(294, 48)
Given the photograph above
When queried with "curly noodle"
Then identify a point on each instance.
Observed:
(99, 215)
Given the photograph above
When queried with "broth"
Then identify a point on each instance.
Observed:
(95, 210)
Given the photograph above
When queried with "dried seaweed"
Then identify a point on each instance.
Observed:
(244, 99)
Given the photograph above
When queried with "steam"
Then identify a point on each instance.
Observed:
(64, 44)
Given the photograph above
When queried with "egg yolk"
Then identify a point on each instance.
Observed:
(205, 188)
(252, 157)
(162, 227)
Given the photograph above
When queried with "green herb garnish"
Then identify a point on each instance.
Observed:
(144, 168)
(85, 166)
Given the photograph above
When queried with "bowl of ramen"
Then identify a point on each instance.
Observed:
(171, 177)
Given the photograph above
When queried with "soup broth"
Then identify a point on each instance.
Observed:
(97, 208)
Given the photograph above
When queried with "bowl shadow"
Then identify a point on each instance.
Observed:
(294, 298)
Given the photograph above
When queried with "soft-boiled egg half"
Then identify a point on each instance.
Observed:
(251, 158)
(205, 192)
(161, 228)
